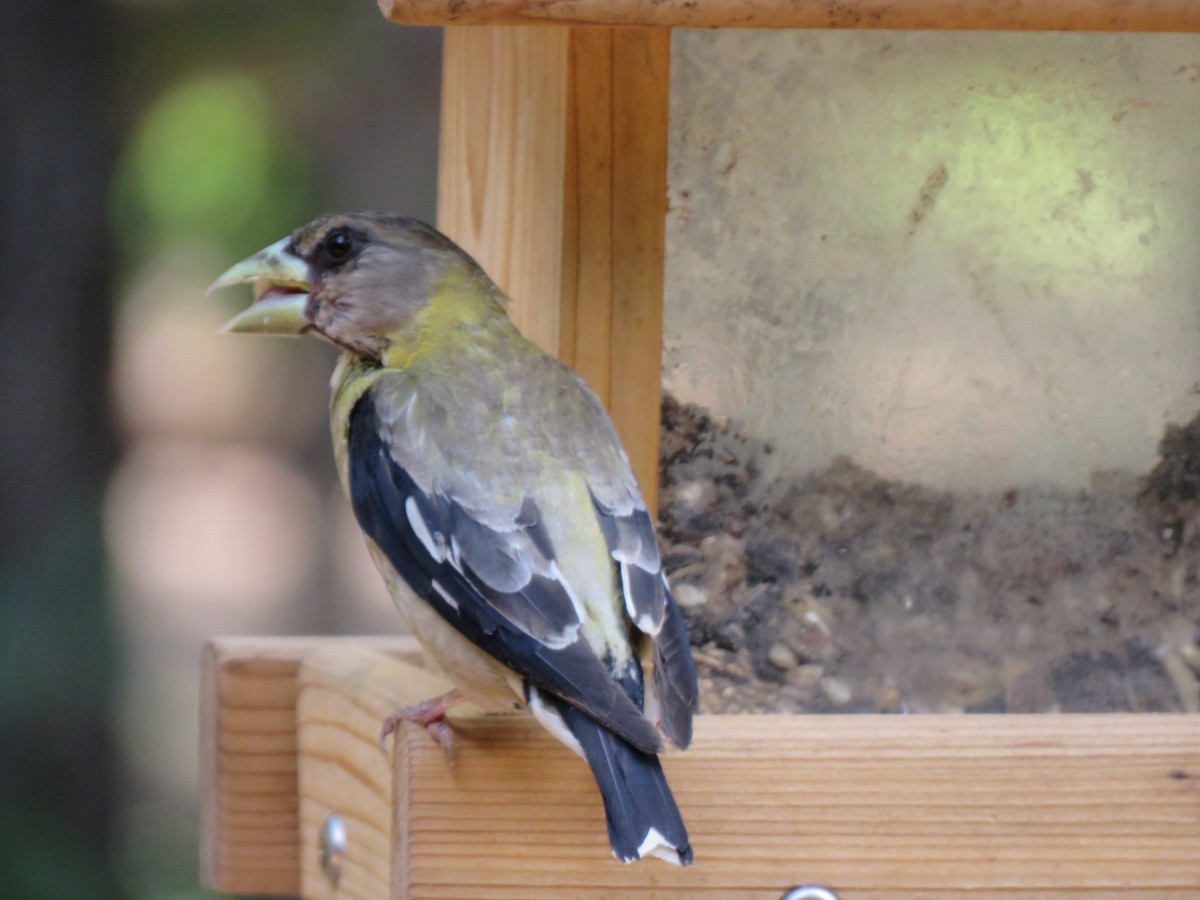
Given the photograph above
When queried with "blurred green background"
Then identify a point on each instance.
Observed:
(147, 145)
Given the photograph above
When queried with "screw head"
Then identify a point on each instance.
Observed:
(809, 892)
(331, 843)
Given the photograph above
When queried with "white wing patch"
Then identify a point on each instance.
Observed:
(509, 563)
(629, 533)
(435, 545)
(445, 595)
(552, 571)
(563, 639)
(552, 721)
(644, 622)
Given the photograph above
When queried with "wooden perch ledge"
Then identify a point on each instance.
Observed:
(1010, 15)
(872, 807)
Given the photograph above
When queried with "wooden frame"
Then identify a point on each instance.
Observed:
(554, 154)
(988, 15)
(895, 807)
(553, 174)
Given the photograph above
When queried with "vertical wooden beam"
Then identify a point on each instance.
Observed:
(500, 173)
(641, 88)
(585, 339)
(553, 174)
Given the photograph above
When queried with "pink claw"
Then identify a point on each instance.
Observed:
(430, 715)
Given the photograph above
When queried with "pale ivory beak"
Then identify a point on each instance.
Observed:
(281, 287)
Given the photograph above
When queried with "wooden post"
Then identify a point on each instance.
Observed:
(344, 694)
(874, 807)
(249, 787)
(500, 170)
(552, 174)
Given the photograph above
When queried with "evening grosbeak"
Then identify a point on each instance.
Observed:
(497, 502)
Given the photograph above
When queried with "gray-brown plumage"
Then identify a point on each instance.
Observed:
(496, 500)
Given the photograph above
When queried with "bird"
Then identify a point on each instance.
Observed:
(497, 502)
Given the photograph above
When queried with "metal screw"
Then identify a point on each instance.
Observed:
(332, 844)
(809, 892)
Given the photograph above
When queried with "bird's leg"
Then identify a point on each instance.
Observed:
(430, 715)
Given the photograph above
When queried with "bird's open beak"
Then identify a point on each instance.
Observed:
(281, 288)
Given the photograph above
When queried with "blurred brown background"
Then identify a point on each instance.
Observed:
(160, 483)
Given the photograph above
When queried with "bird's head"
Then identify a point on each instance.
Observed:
(358, 280)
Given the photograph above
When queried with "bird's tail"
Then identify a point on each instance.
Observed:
(643, 819)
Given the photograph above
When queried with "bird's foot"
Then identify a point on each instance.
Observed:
(430, 715)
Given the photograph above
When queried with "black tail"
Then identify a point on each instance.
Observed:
(643, 819)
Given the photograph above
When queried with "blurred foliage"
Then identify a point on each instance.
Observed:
(246, 120)
(208, 161)
(240, 122)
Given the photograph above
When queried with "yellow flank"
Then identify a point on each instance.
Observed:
(458, 301)
(583, 559)
(350, 381)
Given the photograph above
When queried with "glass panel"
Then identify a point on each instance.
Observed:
(936, 298)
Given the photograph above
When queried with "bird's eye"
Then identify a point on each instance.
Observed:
(338, 245)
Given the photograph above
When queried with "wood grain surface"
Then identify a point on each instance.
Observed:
(992, 15)
(553, 175)
(344, 695)
(250, 795)
(870, 806)
(898, 807)
(501, 159)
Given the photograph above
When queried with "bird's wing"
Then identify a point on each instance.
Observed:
(629, 531)
(491, 574)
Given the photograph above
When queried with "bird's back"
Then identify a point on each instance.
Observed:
(536, 433)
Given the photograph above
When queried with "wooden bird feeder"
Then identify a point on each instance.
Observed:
(553, 175)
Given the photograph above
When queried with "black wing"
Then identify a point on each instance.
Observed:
(634, 547)
(496, 588)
